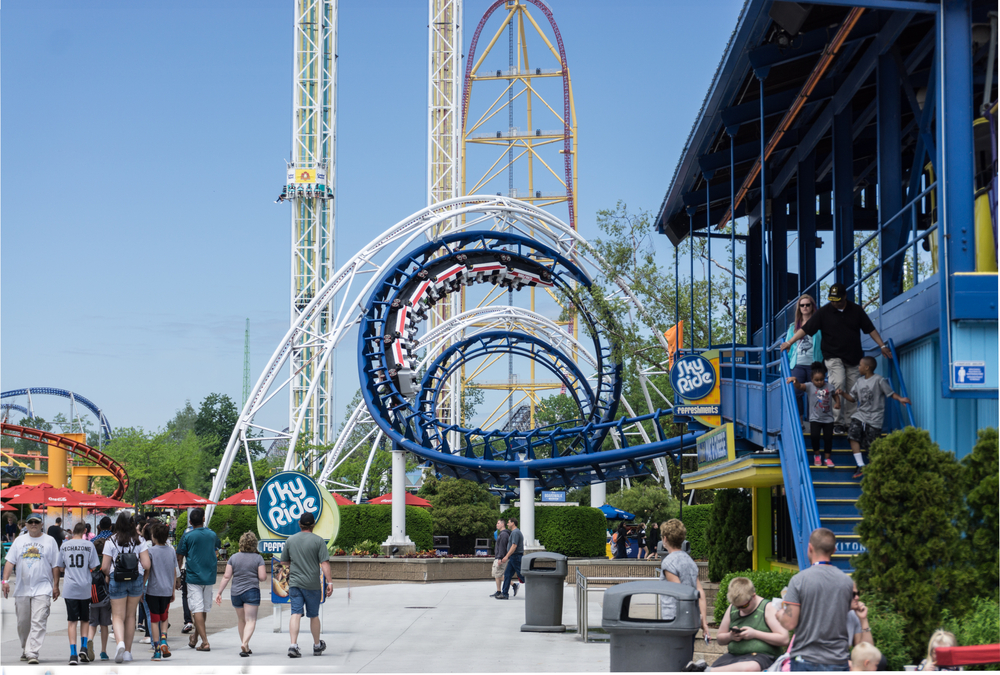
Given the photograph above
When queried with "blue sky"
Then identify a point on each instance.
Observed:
(143, 145)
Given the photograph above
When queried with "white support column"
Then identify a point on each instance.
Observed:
(598, 494)
(398, 538)
(528, 514)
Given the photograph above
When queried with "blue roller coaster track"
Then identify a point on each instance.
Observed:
(51, 391)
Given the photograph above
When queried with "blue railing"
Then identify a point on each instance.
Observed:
(908, 408)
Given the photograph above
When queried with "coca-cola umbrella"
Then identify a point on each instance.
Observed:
(341, 500)
(19, 490)
(179, 498)
(49, 496)
(244, 498)
(4, 507)
(411, 500)
(102, 502)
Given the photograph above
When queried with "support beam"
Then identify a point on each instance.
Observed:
(598, 494)
(778, 267)
(808, 44)
(774, 104)
(843, 196)
(528, 513)
(806, 213)
(398, 538)
(890, 173)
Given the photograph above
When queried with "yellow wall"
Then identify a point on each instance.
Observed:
(762, 534)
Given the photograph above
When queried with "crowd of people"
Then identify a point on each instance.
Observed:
(127, 575)
(840, 393)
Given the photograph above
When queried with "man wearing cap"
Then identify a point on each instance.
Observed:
(36, 556)
(841, 321)
(305, 553)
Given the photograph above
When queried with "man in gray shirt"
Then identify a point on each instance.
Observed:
(306, 554)
(500, 556)
(817, 601)
(513, 558)
(77, 557)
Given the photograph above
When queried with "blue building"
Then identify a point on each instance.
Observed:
(854, 142)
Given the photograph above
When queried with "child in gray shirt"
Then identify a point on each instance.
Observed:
(869, 392)
(160, 588)
(822, 401)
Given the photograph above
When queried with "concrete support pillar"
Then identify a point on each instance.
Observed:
(528, 512)
(398, 537)
(598, 494)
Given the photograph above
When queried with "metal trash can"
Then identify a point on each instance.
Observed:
(640, 643)
(543, 597)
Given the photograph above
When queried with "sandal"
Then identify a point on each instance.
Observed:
(193, 641)
(205, 647)
(244, 653)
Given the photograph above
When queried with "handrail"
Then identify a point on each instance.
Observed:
(803, 512)
(908, 407)
(583, 594)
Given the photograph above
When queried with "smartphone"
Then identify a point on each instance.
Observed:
(736, 629)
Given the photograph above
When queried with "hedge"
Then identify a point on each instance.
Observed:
(574, 531)
(696, 519)
(767, 584)
(227, 521)
(373, 522)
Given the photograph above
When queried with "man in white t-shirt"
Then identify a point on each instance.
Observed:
(36, 557)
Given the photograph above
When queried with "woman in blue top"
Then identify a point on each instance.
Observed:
(802, 354)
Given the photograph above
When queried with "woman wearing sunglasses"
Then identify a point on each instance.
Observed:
(802, 353)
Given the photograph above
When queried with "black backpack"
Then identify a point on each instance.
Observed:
(98, 587)
(126, 565)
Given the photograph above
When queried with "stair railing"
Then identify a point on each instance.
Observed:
(803, 512)
(902, 384)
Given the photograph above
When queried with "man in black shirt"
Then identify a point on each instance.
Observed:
(500, 556)
(841, 321)
(57, 532)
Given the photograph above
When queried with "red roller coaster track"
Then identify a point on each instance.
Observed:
(79, 449)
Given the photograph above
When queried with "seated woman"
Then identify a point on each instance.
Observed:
(940, 638)
(750, 629)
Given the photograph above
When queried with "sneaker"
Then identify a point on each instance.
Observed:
(90, 651)
(859, 473)
(146, 640)
(83, 656)
(320, 648)
(156, 656)
(120, 652)
(188, 627)
(24, 657)
(105, 657)
(128, 657)
(816, 460)
(74, 660)
(493, 595)
(294, 653)
(503, 597)
(829, 463)
(696, 666)
(515, 589)
(839, 430)
(33, 660)
(164, 650)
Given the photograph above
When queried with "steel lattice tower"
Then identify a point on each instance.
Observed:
(311, 178)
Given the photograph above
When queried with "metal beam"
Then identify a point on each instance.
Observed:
(807, 44)
(744, 153)
(889, 5)
(843, 196)
(774, 104)
(806, 214)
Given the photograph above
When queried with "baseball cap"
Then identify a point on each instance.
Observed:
(837, 293)
(307, 520)
(34, 516)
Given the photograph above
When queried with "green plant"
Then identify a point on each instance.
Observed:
(767, 584)
(220, 519)
(463, 511)
(182, 523)
(912, 506)
(367, 547)
(243, 519)
(888, 630)
(696, 520)
(982, 480)
(979, 626)
(731, 523)
(574, 531)
(374, 522)
(649, 502)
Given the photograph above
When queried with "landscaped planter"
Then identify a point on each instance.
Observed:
(410, 569)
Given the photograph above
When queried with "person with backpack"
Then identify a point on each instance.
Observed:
(36, 557)
(100, 607)
(125, 559)
(77, 557)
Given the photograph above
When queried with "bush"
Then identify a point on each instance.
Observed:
(911, 506)
(244, 519)
(696, 520)
(182, 523)
(650, 502)
(982, 480)
(888, 630)
(574, 531)
(463, 511)
(731, 523)
(220, 519)
(979, 626)
(374, 522)
(767, 584)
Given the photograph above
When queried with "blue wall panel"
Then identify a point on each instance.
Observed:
(952, 423)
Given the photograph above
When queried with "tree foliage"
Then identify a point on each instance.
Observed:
(912, 507)
(647, 500)
(155, 464)
(215, 421)
(463, 511)
(729, 527)
(982, 480)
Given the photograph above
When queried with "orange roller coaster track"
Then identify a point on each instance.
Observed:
(79, 449)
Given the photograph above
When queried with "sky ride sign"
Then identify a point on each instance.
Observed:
(695, 378)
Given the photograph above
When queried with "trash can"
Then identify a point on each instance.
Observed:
(543, 597)
(639, 641)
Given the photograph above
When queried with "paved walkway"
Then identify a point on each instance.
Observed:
(381, 628)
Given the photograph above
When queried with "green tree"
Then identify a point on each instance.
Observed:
(911, 503)
(214, 424)
(647, 500)
(982, 481)
(730, 525)
(155, 464)
(462, 511)
(239, 476)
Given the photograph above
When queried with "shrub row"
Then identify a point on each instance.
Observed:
(767, 584)
(696, 519)
(574, 531)
(373, 522)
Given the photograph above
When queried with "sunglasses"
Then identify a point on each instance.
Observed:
(746, 605)
(806, 304)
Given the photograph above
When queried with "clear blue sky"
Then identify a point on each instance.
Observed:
(143, 145)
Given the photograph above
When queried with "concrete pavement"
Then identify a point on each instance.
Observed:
(380, 628)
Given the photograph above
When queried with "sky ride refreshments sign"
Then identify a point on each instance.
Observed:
(695, 378)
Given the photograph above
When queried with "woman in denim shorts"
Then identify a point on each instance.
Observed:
(125, 595)
(246, 570)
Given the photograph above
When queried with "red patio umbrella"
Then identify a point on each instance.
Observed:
(245, 498)
(49, 496)
(411, 500)
(340, 500)
(101, 502)
(4, 507)
(179, 498)
(19, 490)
